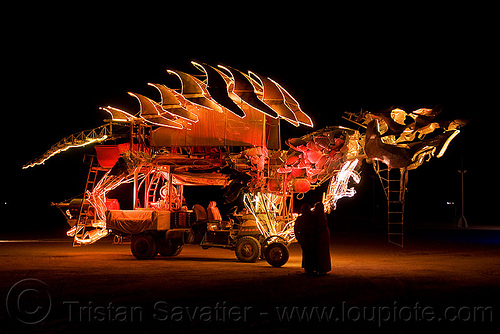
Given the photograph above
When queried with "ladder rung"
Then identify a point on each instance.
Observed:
(84, 219)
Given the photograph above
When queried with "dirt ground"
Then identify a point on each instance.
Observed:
(443, 279)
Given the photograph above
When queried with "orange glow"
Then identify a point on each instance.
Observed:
(338, 186)
(295, 107)
(171, 104)
(118, 115)
(193, 105)
(232, 138)
(80, 139)
(267, 210)
(448, 141)
(154, 114)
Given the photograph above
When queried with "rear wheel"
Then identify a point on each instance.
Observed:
(170, 250)
(276, 254)
(143, 246)
(248, 249)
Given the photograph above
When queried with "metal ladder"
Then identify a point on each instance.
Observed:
(85, 215)
(394, 184)
(153, 186)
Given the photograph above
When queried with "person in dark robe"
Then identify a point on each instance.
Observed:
(322, 249)
(305, 233)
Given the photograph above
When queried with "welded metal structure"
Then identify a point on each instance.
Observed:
(222, 128)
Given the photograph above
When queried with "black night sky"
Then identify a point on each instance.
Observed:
(62, 68)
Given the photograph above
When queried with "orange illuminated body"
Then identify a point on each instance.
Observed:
(223, 128)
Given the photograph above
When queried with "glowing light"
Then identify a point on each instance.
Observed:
(194, 95)
(153, 113)
(291, 103)
(72, 231)
(448, 141)
(330, 154)
(118, 115)
(80, 139)
(398, 115)
(270, 94)
(266, 208)
(194, 91)
(97, 199)
(92, 236)
(223, 99)
(171, 104)
(338, 185)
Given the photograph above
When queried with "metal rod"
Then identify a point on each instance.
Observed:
(462, 222)
(136, 177)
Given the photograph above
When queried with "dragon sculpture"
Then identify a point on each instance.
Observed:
(222, 127)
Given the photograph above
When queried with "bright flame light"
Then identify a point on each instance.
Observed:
(338, 185)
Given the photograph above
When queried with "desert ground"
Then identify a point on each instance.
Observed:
(445, 278)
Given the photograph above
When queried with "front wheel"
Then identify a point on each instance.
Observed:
(247, 249)
(276, 254)
(143, 246)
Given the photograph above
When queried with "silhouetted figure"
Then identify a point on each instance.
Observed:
(323, 261)
(305, 233)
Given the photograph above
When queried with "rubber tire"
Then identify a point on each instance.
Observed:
(276, 254)
(170, 250)
(247, 249)
(143, 246)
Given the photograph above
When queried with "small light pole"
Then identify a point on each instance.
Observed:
(462, 222)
